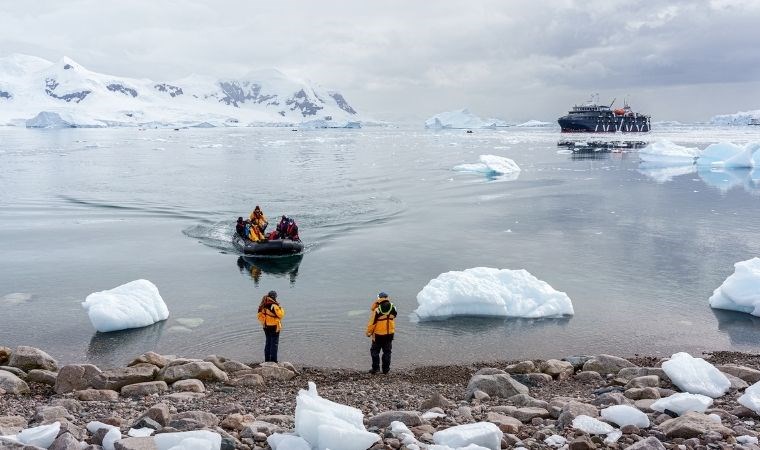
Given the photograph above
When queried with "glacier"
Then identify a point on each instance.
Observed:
(37, 93)
(741, 290)
(739, 118)
(132, 305)
(485, 291)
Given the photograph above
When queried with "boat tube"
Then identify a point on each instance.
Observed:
(272, 247)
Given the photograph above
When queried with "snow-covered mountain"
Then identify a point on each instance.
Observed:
(38, 93)
(740, 118)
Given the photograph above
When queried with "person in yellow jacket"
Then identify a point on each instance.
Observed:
(381, 327)
(259, 219)
(270, 316)
(255, 234)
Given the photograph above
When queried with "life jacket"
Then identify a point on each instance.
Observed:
(270, 313)
(382, 320)
(255, 234)
(291, 231)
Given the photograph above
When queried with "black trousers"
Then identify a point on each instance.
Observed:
(272, 343)
(384, 344)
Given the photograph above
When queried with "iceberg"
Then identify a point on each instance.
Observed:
(667, 153)
(727, 155)
(132, 305)
(695, 375)
(485, 291)
(622, 415)
(590, 425)
(534, 124)
(491, 165)
(484, 434)
(739, 118)
(741, 290)
(459, 119)
(683, 402)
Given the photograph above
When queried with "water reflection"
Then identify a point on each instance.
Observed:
(108, 349)
(723, 179)
(286, 266)
(465, 325)
(741, 328)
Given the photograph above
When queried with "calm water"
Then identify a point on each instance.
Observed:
(638, 250)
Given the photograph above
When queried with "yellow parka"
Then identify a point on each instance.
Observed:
(260, 220)
(382, 319)
(255, 234)
(270, 313)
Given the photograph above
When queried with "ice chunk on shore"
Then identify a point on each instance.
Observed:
(751, 398)
(132, 305)
(741, 290)
(196, 440)
(459, 119)
(695, 375)
(280, 441)
(490, 164)
(590, 425)
(325, 424)
(484, 434)
(683, 402)
(623, 415)
(485, 291)
(667, 153)
(42, 436)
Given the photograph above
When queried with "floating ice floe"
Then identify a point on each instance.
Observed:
(589, 425)
(683, 402)
(459, 119)
(485, 291)
(132, 305)
(695, 375)
(728, 155)
(483, 434)
(491, 165)
(751, 398)
(623, 415)
(741, 290)
(667, 153)
(325, 424)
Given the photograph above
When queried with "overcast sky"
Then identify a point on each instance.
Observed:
(518, 60)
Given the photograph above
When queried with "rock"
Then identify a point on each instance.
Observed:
(465, 412)
(136, 443)
(184, 396)
(143, 389)
(629, 373)
(537, 379)
(582, 443)
(5, 355)
(589, 376)
(116, 379)
(97, 395)
(521, 367)
(237, 421)
(150, 358)
(50, 414)
(650, 443)
(274, 372)
(480, 396)
(12, 384)
(203, 417)
(76, 377)
(645, 404)
(251, 379)
(7, 444)
(527, 414)
(497, 385)
(70, 404)
(11, 424)
(201, 370)
(643, 382)
(158, 412)
(557, 369)
(384, 419)
(65, 441)
(630, 429)
(146, 422)
(642, 393)
(190, 385)
(489, 371)
(611, 398)
(577, 361)
(506, 424)
(747, 374)
(234, 366)
(527, 400)
(572, 409)
(607, 364)
(15, 371)
(28, 358)
(737, 384)
(437, 401)
(42, 376)
(692, 424)
(259, 427)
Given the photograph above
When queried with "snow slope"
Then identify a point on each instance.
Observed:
(80, 97)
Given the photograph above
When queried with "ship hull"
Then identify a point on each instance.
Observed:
(611, 124)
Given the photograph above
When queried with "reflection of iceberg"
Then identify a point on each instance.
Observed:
(286, 266)
(108, 349)
(742, 329)
(723, 179)
(469, 325)
(663, 174)
(494, 166)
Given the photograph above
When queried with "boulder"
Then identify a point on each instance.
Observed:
(607, 364)
(642, 393)
(577, 361)
(7, 444)
(557, 369)
(200, 370)
(97, 395)
(272, 371)
(202, 417)
(190, 385)
(15, 371)
(136, 443)
(5, 355)
(150, 358)
(747, 374)
(589, 376)
(69, 403)
(527, 400)
(480, 396)
(629, 373)
(384, 419)
(437, 401)
(184, 396)
(50, 414)
(505, 423)
(142, 389)
(42, 376)
(158, 412)
(497, 385)
(643, 382)
(28, 358)
(76, 377)
(237, 421)
(234, 366)
(737, 384)
(115, 379)
(11, 424)
(250, 380)
(12, 384)
(692, 424)
(650, 443)
(572, 409)
(521, 367)
(581, 443)
(489, 371)
(65, 441)
(525, 415)
(611, 398)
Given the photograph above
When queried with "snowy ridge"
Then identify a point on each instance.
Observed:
(69, 95)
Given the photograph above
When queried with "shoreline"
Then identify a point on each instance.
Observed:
(245, 403)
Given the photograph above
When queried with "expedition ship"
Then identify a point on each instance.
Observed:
(593, 117)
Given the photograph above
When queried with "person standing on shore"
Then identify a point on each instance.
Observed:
(270, 316)
(381, 327)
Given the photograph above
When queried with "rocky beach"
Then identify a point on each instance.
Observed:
(531, 404)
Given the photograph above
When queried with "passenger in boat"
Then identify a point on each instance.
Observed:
(240, 228)
(291, 231)
(255, 234)
(259, 219)
(381, 327)
(270, 315)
